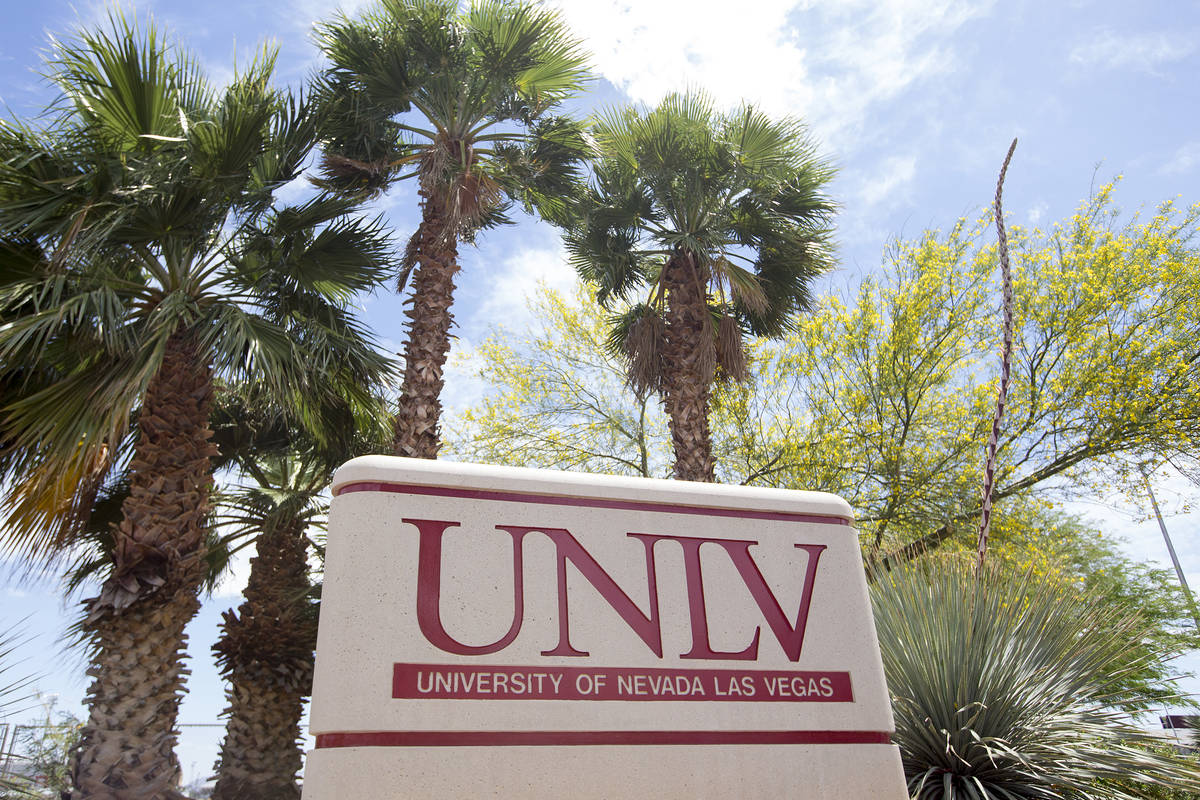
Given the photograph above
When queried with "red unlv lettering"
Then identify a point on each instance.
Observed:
(646, 625)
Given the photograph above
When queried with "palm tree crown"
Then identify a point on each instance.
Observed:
(463, 101)
(723, 218)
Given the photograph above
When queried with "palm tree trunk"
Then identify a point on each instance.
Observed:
(420, 407)
(689, 361)
(137, 620)
(266, 653)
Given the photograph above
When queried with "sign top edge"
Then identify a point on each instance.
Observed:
(525, 480)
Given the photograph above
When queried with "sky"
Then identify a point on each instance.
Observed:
(915, 101)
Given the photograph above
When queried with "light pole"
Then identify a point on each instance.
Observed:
(1162, 526)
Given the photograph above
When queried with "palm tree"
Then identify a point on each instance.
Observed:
(266, 647)
(463, 102)
(140, 201)
(723, 219)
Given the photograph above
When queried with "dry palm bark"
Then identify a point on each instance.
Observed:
(688, 365)
(137, 621)
(266, 653)
(435, 250)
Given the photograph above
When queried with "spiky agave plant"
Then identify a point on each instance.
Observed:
(1006, 688)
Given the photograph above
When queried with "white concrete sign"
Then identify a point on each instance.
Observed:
(500, 632)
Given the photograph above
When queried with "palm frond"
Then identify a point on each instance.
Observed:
(786, 278)
(51, 184)
(126, 85)
(68, 425)
(745, 287)
(429, 28)
(733, 359)
(15, 689)
(544, 172)
(294, 133)
(767, 149)
(637, 336)
(530, 47)
(231, 139)
(319, 246)
(48, 512)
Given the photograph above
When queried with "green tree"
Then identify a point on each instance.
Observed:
(43, 754)
(463, 101)
(884, 398)
(723, 219)
(557, 399)
(129, 207)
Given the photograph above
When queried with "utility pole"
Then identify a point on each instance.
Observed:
(1187, 592)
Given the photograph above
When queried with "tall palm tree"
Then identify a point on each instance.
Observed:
(136, 199)
(724, 220)
(266, 647)
(463, 101)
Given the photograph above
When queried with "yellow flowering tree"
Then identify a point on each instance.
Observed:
(885, 395)
(559, 399)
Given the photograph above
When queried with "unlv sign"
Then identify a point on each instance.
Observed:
(647, 625)
(502, 632)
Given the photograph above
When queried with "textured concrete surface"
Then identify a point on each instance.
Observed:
(485, 609)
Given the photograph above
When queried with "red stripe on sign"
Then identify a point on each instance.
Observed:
(586, 738)
(588, 502)
(628, 684)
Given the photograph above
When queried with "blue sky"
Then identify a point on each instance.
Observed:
(914, 100)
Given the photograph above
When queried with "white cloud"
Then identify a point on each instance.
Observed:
(650, 49)
(517, 278)
(1144, 52)
(828, 62)
(884, 184)
(1185, 159)
(1038, 211)
(305, 13)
